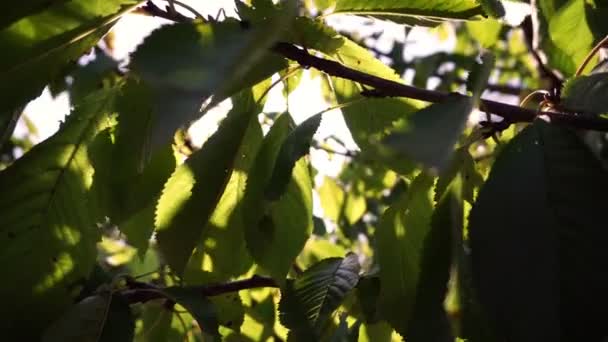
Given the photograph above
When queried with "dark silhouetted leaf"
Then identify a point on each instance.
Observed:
(129, 197)
(101, 318)
(479, 75)
(587, 94)
(308, 301)
(414, 253)
(98, 73)
(344, 333)
(493, 8)
(215, 59)
(368, 292)
(431, 133)
(296, 145)
(538, 241)
(199, 306)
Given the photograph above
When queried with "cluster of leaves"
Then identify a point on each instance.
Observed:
(117, 229)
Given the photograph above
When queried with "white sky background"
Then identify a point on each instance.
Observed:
(306, 100)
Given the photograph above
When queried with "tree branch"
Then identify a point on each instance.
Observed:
(139, 292)
(543, 70)
(388, 88)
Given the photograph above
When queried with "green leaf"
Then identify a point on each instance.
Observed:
(305, 31)
(595, 12)
(230, 310)
(292, 82)
(404, 12)
(586, 94)
(22, 9)
(199, 306)
(222, 249)
(101, 317)
(315, 34)
(542, 196)
(98, 73)
(354, 207)
(308, 302)
(462, 164)
(322, 5)
(478, 78)
(38, 47)
(431, 133)
(296, 145)
(486, 31)
(48, 220)
(277, 230)
(192, 193)
(135, 221)
(568, 22)
(344, 333)
(368, 294)
(332, 199)
(260, 315)
(377, 332)
(429, 321)
(369, 119)
(128, 197)
(156, 323)
(558, 21)
(215, 59)
(401, 241)
(223, 241)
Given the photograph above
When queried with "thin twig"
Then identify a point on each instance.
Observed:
(349, 154)
(156, 11)
(188, 8)
(590, 55)
(543, 70)
(139, 292)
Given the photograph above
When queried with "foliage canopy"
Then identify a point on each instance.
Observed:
(460, 216)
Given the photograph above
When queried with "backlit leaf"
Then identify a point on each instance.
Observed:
(332, 199)
(192, 193)
(405, 11)
(277, 230)
(38, 47)
(48, 220)
(296, 145)
(486, 31)
(400, 238)
(199, 306)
